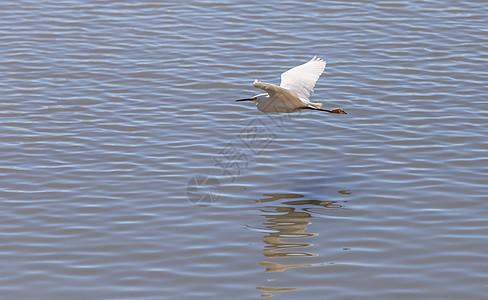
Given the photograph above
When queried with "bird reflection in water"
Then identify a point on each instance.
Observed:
(286, 226)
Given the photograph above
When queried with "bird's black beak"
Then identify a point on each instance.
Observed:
(247, 99)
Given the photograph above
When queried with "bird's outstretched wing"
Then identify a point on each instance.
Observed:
(302, 78)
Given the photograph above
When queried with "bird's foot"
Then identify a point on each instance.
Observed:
(338, 111)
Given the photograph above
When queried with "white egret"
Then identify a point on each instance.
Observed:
(294, 91)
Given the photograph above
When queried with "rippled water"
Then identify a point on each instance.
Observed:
(128, 171)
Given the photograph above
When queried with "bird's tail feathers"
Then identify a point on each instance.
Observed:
(316, 104)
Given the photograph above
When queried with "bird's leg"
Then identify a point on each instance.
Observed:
(332, 111)
(338, 111)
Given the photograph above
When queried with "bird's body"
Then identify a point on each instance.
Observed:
(294, 91)
(280, 100)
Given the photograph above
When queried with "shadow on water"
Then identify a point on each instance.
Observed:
(286, 237)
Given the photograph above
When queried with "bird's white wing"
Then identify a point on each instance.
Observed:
(302, 78)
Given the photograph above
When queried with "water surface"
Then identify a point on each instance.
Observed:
(128, 171)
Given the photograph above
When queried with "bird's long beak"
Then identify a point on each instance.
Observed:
(247, 99)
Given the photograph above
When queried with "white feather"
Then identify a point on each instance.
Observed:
(301, 79)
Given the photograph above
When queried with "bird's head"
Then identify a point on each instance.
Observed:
(249, 99)
(257, 98)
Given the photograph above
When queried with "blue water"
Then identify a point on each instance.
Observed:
(129, 172)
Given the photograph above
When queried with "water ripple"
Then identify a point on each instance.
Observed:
(108, 109)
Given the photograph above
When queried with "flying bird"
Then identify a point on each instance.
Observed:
(294, 91)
